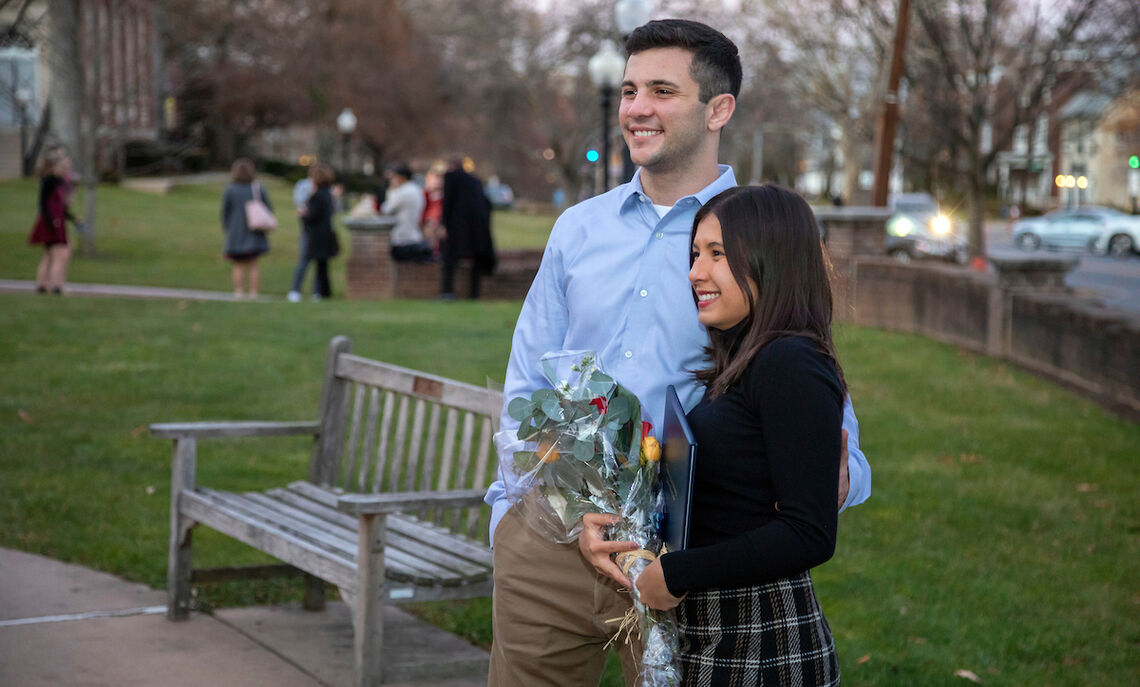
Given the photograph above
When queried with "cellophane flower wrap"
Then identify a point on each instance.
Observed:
(582, 447)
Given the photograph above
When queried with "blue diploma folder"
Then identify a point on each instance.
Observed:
(679, 452)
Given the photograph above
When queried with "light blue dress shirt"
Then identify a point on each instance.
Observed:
(614, 280)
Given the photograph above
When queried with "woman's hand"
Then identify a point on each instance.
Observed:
(654, 592)
(598, 550)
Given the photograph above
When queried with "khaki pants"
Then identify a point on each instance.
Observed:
(550, 613)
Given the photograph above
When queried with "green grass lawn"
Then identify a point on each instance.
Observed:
(1001, 536)
(176, 240)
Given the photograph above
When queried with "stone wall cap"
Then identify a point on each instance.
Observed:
(1033, 263)
(377, 223)
(853, 212)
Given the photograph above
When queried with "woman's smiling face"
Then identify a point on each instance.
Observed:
(721, 303)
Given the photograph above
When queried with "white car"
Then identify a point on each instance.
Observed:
(1079, 227)
(1120, 238)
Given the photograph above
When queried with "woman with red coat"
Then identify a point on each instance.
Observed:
(50, 229)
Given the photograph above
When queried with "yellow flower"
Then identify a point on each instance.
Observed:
(546, 452)
(650, 450)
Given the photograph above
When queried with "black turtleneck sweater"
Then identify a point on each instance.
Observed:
(766, 474)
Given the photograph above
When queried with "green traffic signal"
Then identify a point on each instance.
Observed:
(1134, 162)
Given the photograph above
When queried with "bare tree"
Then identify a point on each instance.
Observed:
(981, 57)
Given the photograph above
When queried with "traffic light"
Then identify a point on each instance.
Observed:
(592, 155)
(1134, 162)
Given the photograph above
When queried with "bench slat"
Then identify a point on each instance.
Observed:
(396, 460)
(415, 447)
(405, 524)
(382, 450)
(354, 449)
(480, 473)
(398, 564)
(419, 384)
(437, 556)
(281, 545)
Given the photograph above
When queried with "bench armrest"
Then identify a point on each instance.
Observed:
(214, 430)
(373, 504)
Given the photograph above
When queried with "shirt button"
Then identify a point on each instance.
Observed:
(629, 354)
(644, 293)
(660, 235)
(645, 199)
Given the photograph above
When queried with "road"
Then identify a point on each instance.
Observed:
(1114, 281)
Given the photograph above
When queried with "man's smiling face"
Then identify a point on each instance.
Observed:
(661, 114)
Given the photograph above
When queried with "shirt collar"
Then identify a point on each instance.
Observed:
(632, 192)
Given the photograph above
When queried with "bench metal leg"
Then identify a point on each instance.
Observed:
(178, 567)
(314, 599)
(368, 614)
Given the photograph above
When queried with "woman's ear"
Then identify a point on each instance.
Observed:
(719, 110)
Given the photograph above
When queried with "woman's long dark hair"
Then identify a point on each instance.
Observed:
(770, 239)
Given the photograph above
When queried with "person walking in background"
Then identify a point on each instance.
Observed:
(301, 192)
(243, 245)
(467, 229)
(50, 228)
(431, 223)
(405, 201)
(769, 427)
(321, 244)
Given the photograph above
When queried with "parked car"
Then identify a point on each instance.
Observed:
(1078, 227)
(1121, 236)
(500, 195)
(919, 230)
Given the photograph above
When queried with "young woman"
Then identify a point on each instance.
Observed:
(243, 245)
(769, 430)
(50, 229)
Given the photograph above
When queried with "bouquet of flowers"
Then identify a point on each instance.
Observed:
(582, 447)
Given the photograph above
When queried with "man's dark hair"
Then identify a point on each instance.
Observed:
(716, 61)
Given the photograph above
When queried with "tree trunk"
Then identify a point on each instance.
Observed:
(852, 163)
(976, 199)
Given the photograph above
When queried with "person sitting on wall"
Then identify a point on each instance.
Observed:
(405, 201)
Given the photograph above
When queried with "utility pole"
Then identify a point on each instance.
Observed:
(888, 119)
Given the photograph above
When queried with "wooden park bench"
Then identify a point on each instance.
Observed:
(391, 511)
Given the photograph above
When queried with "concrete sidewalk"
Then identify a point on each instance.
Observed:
(63, 624)
(127, 291)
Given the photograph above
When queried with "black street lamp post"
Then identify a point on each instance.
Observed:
(606, 69)
(345, 124)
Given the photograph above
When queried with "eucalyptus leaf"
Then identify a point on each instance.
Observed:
(525, 461)
(584, 450)
(519, 409)
(553, 410)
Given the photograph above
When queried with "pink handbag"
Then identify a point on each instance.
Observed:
(258, 216)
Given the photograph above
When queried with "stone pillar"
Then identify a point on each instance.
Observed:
(852, 233)
(369, 272)
(1044, 274)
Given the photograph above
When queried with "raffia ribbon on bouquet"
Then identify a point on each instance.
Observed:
(629, 623)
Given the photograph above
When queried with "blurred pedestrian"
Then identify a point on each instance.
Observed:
(405, 200)
(301, 192)
(50, 229)
(467, 226)
(321, 244)
(243, 245)
(431, 223)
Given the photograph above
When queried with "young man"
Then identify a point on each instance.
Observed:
(613, 280)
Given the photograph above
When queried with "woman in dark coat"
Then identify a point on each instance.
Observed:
(320, 240)
(243, 245)
(50, 229)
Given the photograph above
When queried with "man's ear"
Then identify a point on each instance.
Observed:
(719, 110)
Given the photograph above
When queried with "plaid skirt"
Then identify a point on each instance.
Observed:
(763, 636)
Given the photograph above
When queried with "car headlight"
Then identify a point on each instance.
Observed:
(901, 226)
(940, 225)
